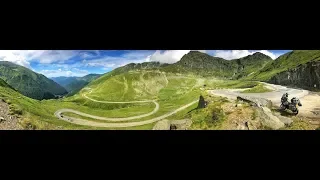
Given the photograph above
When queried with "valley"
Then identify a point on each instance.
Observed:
(141, 96)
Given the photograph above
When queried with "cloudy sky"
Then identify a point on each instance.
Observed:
(54, 63)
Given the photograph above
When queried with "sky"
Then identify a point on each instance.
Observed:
(55, 63)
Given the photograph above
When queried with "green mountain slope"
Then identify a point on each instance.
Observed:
(286, 62)
(205, 65)
(64, 81)
(133, 85)
(29, 83)
(5, 85)
(75, 84)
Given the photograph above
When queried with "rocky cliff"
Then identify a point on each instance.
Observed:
(303, 76)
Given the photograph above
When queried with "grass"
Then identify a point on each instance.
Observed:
(39, 114)
(140, 85)
(170, 90)
(260, 88)
(285, 62)
(210, 117)
(230, 84)
(299, 124)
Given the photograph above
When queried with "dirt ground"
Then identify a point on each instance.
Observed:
(7, 121)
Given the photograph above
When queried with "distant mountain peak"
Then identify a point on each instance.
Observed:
(259, 54)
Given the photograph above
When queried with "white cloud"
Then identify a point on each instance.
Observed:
(24, 57)
(67, 73)
(117, 61)
(15, 57)
(169, 56)
(50, 56)
(235, 54)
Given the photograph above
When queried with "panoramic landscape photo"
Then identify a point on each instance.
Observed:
(159, 89)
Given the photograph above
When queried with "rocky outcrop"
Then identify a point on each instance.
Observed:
(259, 102)
(8, 121)
(165, 124)
(263, 109)
(304, 76)
(287, 121)
(182, 124)
(162, 125)
(202, 103)
(270, 120)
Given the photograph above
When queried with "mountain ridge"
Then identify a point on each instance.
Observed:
(28, 82)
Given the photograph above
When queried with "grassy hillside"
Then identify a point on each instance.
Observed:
(285, 62)
(29, 83)
(134, 85)
(205, 65)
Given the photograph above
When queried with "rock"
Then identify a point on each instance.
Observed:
(173, 127)
(270, 120)
(162, 125)
(181, 124)
(304, 76)
(242, 126)
(287, 121)
(257, 101)
(2, 119)
(238, 105)
(202, 103)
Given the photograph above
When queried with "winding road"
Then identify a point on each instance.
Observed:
(80, 121)
(274, 96)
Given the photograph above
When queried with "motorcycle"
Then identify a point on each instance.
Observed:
(292, 106)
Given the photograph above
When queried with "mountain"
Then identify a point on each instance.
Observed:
(29, 83)
(4, 84)
(135, 85)
(286, 62)
(63, 81)
(138, 66)
(299, 68)
(75, 84)
(206, 65)
(130, 67)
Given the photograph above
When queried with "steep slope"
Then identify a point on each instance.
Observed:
(4, 84)
(29, 83)
(249, 65)
(286, 62)
(206, 65)
(306, 76)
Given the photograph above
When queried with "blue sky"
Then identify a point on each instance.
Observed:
(54, 63)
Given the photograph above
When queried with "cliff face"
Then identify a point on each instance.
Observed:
(304, 76)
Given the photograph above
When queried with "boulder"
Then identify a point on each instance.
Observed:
(259, 102)
(287, 121)
(266, 116)
(270, 120)
(162, 125)
(1, 119)
(242, 126)
(202, 103)
(181, 124)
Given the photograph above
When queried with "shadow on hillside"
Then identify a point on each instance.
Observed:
(193, 110)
